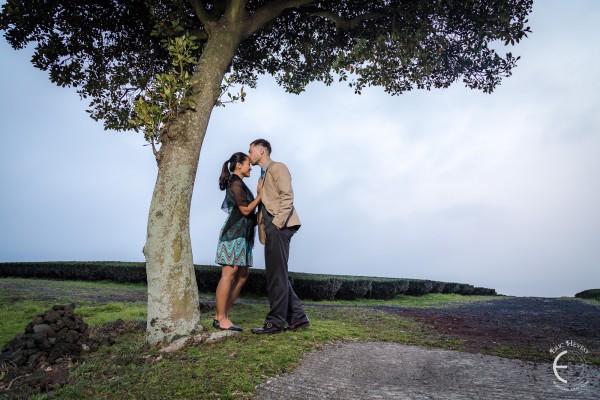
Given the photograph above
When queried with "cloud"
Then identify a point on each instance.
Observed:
(494, 190)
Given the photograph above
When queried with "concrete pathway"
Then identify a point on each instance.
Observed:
(393, 371)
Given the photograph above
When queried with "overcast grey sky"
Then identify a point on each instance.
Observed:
(496, 190)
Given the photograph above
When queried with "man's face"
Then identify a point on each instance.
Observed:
(255, 153)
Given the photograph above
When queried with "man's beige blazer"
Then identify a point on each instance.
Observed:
(278, 198)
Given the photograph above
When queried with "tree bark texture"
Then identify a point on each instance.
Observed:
(173, 304)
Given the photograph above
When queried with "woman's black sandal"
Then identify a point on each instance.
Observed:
(235, 328)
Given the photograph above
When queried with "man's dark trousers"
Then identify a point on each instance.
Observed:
(285, 305)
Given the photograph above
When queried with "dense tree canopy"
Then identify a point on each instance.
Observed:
(110, 49)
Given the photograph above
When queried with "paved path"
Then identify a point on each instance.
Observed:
(394, 371)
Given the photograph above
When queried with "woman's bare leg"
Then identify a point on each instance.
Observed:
(241, 278)
(224, 288)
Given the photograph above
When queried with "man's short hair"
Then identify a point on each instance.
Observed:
(263, 143)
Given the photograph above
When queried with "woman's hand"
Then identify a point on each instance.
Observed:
(249, 209)
(259, 188)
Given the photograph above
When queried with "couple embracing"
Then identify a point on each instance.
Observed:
(277, 221)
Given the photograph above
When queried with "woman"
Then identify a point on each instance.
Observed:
(236, 239)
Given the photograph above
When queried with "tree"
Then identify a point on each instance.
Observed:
(117, 51)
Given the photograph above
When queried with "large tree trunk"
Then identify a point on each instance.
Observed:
(173, 307)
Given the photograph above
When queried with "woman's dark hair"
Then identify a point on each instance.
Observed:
(229, 167)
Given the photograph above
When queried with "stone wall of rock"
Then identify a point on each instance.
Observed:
(56, 333)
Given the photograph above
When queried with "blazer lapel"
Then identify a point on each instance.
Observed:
(262, 235)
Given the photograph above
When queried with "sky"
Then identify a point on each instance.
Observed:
(499, 191)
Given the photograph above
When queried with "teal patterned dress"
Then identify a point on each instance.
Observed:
(237, 234)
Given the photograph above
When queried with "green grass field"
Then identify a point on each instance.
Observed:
(226, 370)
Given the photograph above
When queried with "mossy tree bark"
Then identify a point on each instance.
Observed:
(173, 305)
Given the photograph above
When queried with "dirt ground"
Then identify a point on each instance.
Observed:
(525, 326)
(15, 289)
(392, 371)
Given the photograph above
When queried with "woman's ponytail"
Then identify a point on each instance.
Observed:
(224, 178)
(227, 170)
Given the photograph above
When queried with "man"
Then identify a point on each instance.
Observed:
(277, 223)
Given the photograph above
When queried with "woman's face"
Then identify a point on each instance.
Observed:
(244, 167)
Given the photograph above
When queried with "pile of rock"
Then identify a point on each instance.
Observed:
(54, 334)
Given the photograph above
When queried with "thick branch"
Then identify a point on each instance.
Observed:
(201, 35)
(271, 11)
(201, 12)
(345, 24)
(236, 10)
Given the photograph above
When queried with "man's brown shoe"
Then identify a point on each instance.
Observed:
(266, 329)
(301, 324)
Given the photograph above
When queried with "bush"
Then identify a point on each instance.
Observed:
(402, 286)
(317, 288)
(419, 287)
(306, 286)
(352, 289)
(438, 287)
(451, 288)
(466, 289)
(382, 289)
(480, 291)
(593, 294)
(78, 270)
(256, 283)
(207, 277)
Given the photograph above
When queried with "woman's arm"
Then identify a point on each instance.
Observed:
(249, 209)
(239, 195)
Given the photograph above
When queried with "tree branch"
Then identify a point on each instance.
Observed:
(341, 23)
(235, 9)
(201, 12)
(201, 35)
(271, 11)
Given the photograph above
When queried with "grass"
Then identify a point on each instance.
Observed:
(429, 300)
(15, 316)
(226, 370)
(593, 302)
(520, 353)
(22, 299)
(231, 369)
(106, 313)
(65, 292)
